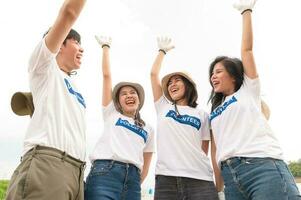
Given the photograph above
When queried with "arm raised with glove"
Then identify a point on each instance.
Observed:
(245, 7)
(164, 45)
(105, 43)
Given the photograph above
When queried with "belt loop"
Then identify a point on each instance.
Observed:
(34, 149)
(64, 156)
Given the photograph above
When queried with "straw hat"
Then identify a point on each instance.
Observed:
(265, 110)
(136, 86)
(22, 103)
(167, 77)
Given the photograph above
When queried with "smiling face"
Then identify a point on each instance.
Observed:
(129, 100)
(71, 52)
(176, 89)
(221, 80)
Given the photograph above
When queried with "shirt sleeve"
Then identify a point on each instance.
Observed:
(41, 59)
(108, 110)
(150, 143)
(252, 85)
(205, 127)
(160, 103)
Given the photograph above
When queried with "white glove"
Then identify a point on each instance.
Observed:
(242, 5)
(221, 195)
(164, 44)
(104, 41)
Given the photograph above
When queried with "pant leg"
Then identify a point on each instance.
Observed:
(195, 189)
(233, 188)
(272, 180)
(132, 184)
(105, 181)
(44, 177)
(166, 188)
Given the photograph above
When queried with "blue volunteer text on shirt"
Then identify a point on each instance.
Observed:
(185, 119)
(132, 127)
(218, 111)
(78, 96)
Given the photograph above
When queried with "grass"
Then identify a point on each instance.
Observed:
(3, 187)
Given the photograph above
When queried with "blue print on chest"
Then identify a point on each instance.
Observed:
(185, 119)
(132, 127)
(219, 110)
(78, 96)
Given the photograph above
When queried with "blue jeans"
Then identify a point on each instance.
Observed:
(113, 180)
(258, 179)
(181, 188)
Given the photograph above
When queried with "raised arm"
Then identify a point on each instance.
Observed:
(68, 14)
(164, 45)
(105, 43)
(147, 157)
(245, 7)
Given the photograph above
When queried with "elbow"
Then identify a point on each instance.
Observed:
(69, 12)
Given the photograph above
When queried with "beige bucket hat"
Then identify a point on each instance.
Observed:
(137, 87)
(22, 103)
(166, 78)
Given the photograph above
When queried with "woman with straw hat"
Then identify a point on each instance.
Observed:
(121, 158)
(247, 151)
(183, 169)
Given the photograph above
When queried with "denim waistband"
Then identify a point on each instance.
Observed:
(235, 161)
(54, 153)
(114, 162)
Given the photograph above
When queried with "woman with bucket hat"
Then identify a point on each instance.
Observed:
(183, 169)
(247, 151)
(121, 158)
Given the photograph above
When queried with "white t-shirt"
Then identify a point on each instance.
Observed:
(122, 140)
(179, 141)
(240, 128)
(59, 117)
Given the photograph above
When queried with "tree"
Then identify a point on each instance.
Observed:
(295, 168)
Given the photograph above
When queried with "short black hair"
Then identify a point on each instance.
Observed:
(73, 34)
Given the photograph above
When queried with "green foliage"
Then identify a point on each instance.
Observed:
(3, 188)
(295, 168)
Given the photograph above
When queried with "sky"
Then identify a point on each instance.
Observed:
(200, 29)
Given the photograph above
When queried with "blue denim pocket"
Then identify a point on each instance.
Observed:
(100, 169)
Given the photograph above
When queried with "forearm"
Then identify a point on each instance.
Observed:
(106, 62)
(157, 64)
(247, 32)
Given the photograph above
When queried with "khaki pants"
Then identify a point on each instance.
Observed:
(47, 173)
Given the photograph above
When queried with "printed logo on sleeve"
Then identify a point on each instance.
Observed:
(219, 110)
(78, 96)
(132, 127)
(185, 119)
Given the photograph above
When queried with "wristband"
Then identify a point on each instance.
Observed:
(105, 45)
(246, 11)
(162, 51)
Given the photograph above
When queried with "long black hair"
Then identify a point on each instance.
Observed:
(235, 69)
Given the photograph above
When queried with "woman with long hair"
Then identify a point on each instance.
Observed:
(183, 169)
(245, 147)
(121, 158)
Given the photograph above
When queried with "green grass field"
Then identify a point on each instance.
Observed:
(3, 187)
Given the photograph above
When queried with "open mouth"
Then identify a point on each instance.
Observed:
(215, 83)
(173, 90)
(130, 102)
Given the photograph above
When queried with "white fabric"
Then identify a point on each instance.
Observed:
(179, 141)
(59, 117)
(240, 128)
(124, 141)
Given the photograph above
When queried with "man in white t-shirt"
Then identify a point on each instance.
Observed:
(54, 145)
